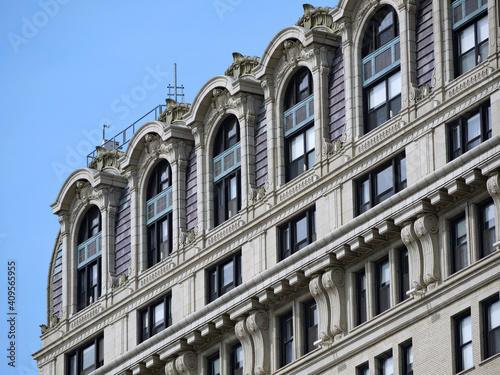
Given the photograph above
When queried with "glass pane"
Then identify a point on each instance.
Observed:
(385, 276)
(409, 357)
(457, 13)
(216, 366)
(483, 52)
(297, 147)
(159, 314)
(233, 188)
(383, 60)
(468, 61)
(367, 68)
(388, 366)
(164, 231)
(300, 114)
(88, 357)
(384, 180)
(238, 357)
(365, 192)
(494, 315)
(395, 85)
(473, 127)
(466, 39)
(72, 365)
(310, 139)
(227, 274)
(465, 330)
(93, 275)
(402, 170)
(376, 96)
(289, 122)
(482, 29)
(301, 230)
(470, 6)
(467, 356)
(461, 232)
(489, 216)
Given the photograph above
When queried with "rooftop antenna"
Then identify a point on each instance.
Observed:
(104, 132)
(175, 88)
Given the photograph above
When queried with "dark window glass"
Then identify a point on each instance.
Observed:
(383, 280)
(382, 28)
(381, 183)
(223, 277)
(361, 296)
(90, 226)
(286, 339)
(470, 31)
(227, 186)
(459, 256)
(491, 326)
(385, 364)
(382, 96)
(404, 274)
(86, 358)
(297, 233)
(469, 130)
(407, 358)
(487, 227)
(236, 359)
(311, 325)
(160, 180)
(160, 230)
(155, 317)
(463, 342)
(299, 88)
(214, 364)
(299, 144)
(89, 283)
(363, 369)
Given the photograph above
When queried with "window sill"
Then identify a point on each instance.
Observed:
(470, 369)
(489, 359)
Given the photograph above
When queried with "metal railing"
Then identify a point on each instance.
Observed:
(120, 141)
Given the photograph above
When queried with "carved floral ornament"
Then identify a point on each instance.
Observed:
(318, 18)
(294, 53)
(174, 112)
(106, 159)
(242, 66)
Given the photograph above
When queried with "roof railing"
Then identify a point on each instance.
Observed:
(120, 141)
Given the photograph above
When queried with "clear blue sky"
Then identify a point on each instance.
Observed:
(69, 66)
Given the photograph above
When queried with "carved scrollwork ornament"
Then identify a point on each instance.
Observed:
(493, 184)
(257, 321)
(185, 363)
(170, 367)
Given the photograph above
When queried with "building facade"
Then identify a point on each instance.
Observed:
(331, 207)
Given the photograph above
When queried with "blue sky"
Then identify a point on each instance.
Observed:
(68, 67)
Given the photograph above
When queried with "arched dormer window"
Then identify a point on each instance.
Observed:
(227, 171)
(159, 213)
(89, 259)
(299, 124)
(381, 68)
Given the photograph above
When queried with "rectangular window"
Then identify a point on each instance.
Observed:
(86, 358)
(286, 339)
(155, 317)
(463, 342)
(159, 239)
(470, 31)
(385, 364)
(236, 359)
(89, 283)
(491, 326)
(458, 231)
(407, 358)
(404, 274)
(227, 195)
(300, 153)
(361, 296)
(487, 237)
(223, 277)
(297, 233)
(310, 326)
(364, 369)
(469, 130)
(383, 286)
(381, 183)
(213, 363)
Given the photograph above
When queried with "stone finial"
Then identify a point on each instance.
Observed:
(317, 18)
(174, 112)
(242, 66)
(106, 159)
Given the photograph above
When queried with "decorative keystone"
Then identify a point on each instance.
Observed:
(317, 18)
(174, 112)
(106, 159)
(242, 66)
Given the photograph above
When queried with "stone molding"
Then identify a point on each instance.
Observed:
(174, 112)
(106, 160)
(298, 188)
(225, 232)
(415, 258)
(317, 18)
(293, 54)
(463, 85)
(426, 229)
